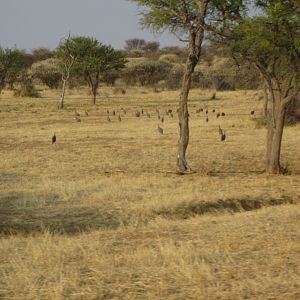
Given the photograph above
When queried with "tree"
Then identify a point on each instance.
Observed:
(134, 44)
(12, 63)
(272, 43)
(41, 54)
(67, 53)
(146, 71)
(47, 72)
(96, 60)
(190, 18)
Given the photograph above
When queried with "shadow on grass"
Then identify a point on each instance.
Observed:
(19, 214)
(32, 213)
(190, 209)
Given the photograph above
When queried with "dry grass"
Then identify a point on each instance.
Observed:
(102, 215)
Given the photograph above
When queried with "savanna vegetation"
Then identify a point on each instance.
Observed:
(101, 198)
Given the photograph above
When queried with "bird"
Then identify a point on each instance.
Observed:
(220, 130)
(213, 110)
(218, 115)
(77, 114)
(252, 112)
(222, 134)
(142, 111)
(137, 114)
(108, 119)
(206, 111)
(119, 118)
(77, 118)
(86, 113)
(222, 114)
(53, 138)
(107, 112)
(206, 119)
(160, 130)
(162, 119)
(171, 115)
(114, 113)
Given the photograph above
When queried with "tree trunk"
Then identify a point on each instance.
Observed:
(60, 104)
(266, 101)
(195, 42)
(94, 93)
(274, 138)
(183, 116)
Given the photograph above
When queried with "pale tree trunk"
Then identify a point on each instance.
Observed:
(60, 104)
(65, 78)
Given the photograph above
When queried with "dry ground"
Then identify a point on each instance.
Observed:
(102, 215)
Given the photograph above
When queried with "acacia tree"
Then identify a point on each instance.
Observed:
(12, 64)
(96, 60)
(67, 53)
(272, 43)
(192, 19)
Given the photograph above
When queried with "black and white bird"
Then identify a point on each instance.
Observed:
(53, 138)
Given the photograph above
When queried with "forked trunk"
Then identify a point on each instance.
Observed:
(274, 138)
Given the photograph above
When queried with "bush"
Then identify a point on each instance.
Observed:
(27, 89)
(174, 77)
(145, 72)
(47, 72)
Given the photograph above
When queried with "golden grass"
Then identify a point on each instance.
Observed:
(101, 214)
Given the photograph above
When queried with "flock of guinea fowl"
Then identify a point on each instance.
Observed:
(161, 118)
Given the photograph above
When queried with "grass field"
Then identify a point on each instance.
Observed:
(101, 214)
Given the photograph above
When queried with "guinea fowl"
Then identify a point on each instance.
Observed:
(53, 138)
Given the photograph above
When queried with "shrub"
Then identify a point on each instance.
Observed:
(27, 89)
(145, 72)
(174, 77)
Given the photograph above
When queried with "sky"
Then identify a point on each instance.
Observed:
(30, 24)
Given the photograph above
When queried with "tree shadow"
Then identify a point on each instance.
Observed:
(17, 217)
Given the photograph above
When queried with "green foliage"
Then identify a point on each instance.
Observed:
(13, 62)
(92, 59)
(177, 15)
